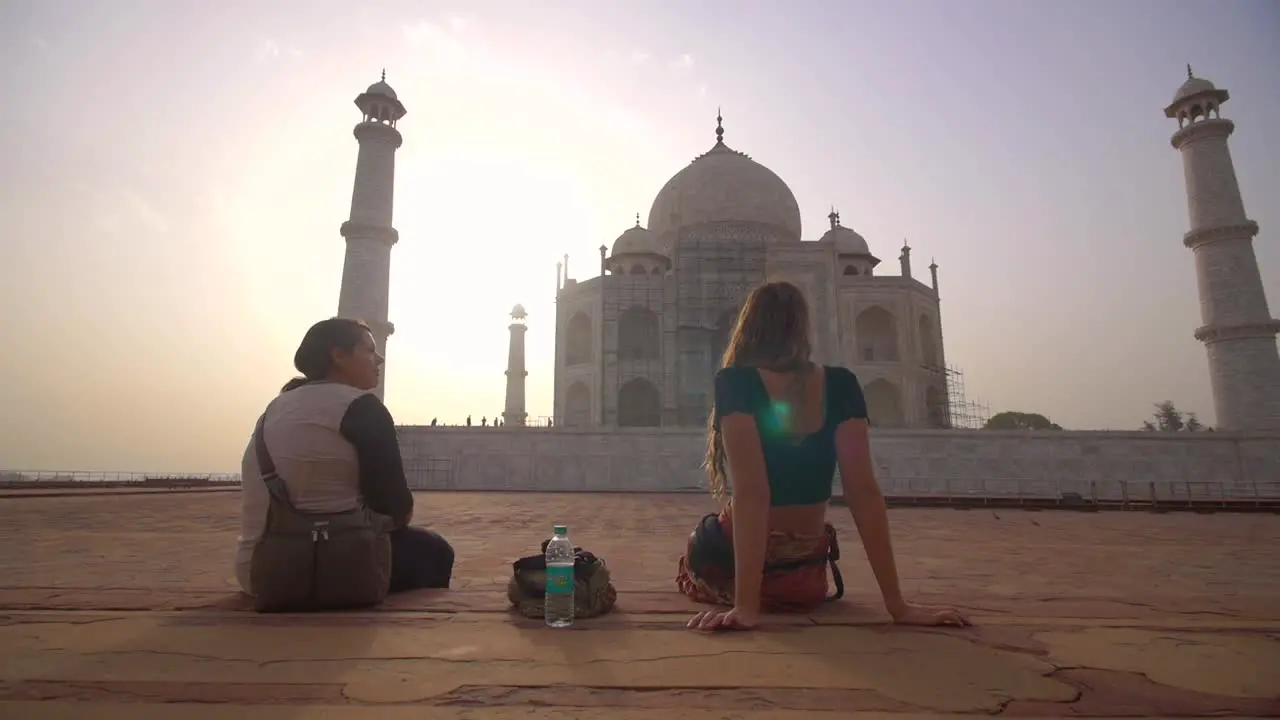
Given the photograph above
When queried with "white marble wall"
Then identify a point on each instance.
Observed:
(953, 462)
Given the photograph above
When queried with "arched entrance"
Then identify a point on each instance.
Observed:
(720, 336)
(639, 404)
(638, 334)
(884, 404)
(936, 411)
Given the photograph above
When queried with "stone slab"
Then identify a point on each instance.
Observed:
(1078, 614)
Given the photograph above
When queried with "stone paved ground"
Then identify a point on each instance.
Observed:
(115, 605)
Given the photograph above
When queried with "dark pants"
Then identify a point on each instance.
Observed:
(419, 559)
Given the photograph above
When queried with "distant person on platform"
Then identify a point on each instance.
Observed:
(779, 427)
(335, 445)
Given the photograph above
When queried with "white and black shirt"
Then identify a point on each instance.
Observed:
(335, 447)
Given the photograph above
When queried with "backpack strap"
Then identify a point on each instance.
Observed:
(833, 554)
(267, 467)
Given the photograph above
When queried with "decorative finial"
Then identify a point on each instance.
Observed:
(834, 217)
(384, 74)
(637, 219)
(905, 246)
(1189, 75)
(719, 128)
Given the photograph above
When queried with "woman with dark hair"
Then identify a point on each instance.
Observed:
(778, 429)
(335, 445)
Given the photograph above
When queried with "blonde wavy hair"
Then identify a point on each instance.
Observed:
(772, 333)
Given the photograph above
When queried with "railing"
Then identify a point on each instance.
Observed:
(539, 423)
(99, 478)
(1122, 494)
(1110, 493)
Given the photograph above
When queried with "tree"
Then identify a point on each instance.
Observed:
(1168, 418)
(1013, 420)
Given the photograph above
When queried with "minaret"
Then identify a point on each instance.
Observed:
(1238, 331)
(515, 415)
(366, 271)
(905, 259)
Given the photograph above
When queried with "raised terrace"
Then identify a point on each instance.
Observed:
(1111, 466)
(120, 604)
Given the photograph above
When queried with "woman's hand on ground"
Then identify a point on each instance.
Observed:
(735, 619)
(911, 614)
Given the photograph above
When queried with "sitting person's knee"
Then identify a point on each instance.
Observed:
(441, 548)
(420, 558)
(433, 545)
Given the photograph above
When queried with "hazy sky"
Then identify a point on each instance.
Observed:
(175, 175)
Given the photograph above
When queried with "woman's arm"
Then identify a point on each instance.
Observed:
(368, 426)
(866, 503)
(745, 458)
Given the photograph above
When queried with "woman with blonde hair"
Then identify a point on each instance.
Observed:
(778, 429)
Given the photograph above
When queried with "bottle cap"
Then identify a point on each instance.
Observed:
(560, 529)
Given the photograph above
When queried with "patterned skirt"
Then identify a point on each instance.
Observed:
(795, 572)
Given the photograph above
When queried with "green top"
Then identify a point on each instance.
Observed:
(560, 529)
(800, 469)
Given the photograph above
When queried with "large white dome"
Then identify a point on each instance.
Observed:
(724, 185)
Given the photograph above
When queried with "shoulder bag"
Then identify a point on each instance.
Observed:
(316, 561)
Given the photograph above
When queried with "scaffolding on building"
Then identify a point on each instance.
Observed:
(632, 376)
(955, 411)
(963, 413)
(706, 305)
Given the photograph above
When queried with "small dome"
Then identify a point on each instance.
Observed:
(724, 185)
(847, 241)
(518, 312)
(382, 88)
(1193, 86)
(637, 241)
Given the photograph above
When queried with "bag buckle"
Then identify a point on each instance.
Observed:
(319, 529)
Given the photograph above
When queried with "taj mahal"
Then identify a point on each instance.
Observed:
(638, 345)
(638, 340)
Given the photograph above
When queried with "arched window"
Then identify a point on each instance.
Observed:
(578, 340)
(876, 333)
(638, 334)
(928, 342)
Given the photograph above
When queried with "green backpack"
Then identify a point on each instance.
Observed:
(593, 592)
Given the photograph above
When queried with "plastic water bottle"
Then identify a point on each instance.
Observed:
(558, 607)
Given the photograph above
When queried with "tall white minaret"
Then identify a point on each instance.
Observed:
(366, 271)
(1238, 331)
(514, 413)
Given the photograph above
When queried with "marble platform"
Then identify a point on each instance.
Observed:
(1078, 614)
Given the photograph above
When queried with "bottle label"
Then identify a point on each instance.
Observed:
(560, 580)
